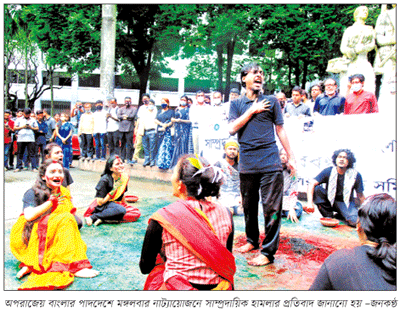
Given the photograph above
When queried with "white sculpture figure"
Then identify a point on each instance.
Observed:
(385, 61)
(357, 41)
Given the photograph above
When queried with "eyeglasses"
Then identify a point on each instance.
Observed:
(329, 85)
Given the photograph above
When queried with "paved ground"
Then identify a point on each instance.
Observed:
(114, 250)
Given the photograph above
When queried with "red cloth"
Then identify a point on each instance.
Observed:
(7, 133)
(196, 236)
(360, 103)
(132, 214)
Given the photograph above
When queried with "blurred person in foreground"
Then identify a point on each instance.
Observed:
(372, 265)
(172, 253)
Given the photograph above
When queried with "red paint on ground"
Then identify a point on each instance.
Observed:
(298, 259)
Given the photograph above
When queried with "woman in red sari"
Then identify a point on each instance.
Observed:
(188, 244)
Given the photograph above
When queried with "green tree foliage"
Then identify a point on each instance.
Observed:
(293, 42)
(220, 33)
(10, 46)
(147, 34)
(68, 34)
(61, 35)
(20, 50)
(306, 36)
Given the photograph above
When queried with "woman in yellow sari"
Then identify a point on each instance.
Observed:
(45, 238)
(110, 204)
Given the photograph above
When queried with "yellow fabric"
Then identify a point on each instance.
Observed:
(206, 219)
(223, 285)
(64, 248)
(119, 186)
(48, 281)
(231, 143)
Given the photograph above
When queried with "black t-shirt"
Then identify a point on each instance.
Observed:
(105, 185)
(28, 199)
(351, 270)
(258, 150)
(323, 177)
(67, 178)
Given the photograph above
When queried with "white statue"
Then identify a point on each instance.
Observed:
(385, 61)
(357, 41)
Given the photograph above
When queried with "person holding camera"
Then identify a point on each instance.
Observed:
(26, 127)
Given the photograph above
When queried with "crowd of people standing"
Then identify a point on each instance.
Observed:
(161, 132)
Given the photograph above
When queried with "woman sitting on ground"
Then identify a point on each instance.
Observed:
(110, 204)
(54, 152)
(45, 238)
(371, 266)
(188, 244)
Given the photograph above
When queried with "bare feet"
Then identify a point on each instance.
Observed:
(22, 272)
(260, 260)
(246, 248)
(87, 273)
(98, 222)
(88, 221)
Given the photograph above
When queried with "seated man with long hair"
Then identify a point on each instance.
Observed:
(45, 238)
(372, 265)
(110, 204)
(188, 244)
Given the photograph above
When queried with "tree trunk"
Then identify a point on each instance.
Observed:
(51, 72)
(7, 86)
(26, 78)
(220, 64)
(230, 51)
(305, 72)
(107, 63)
(297, 72)
(144, 75)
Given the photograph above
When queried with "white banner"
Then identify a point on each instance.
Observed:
(371, 137)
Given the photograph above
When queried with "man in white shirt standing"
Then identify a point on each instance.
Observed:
(139, 130)
(112, 127)
(26, 127)
(149, 141)
(198, 113)
(100, 130)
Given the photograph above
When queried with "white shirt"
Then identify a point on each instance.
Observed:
(100, 122)
(26, 134)
(148, 118)
(112, 125)
(199, 115)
